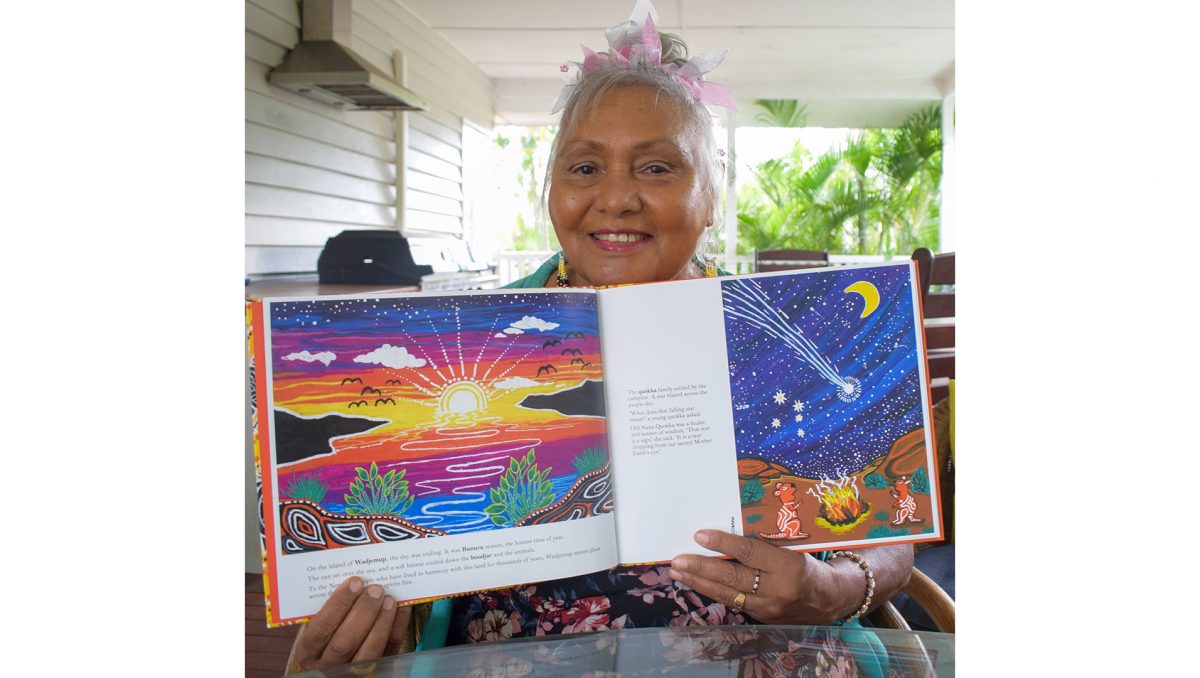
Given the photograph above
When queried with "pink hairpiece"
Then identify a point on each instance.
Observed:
(631, 44)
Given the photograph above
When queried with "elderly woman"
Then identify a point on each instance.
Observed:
(633, 189)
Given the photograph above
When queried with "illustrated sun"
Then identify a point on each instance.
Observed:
(461, 397)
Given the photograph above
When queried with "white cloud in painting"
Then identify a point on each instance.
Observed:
(396, 357)
(531, 323)
(500, 335)
(513, 330)
(324, 357)
(516, 382)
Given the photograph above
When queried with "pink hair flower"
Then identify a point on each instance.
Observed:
(630, 44)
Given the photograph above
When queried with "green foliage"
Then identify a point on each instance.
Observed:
(752, 491)
(781, 113)
(523, 489)
(532, 230)
(307, 487)
(920, 481)
(875, 481)
(589, 460)
(371, 493)
(754, 518)
(876, 194)
(885, 531)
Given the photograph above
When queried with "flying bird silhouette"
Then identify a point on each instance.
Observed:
(370, 389)
(351, 380)
(547, 369)
(361, 403)
(572, 351)
(391, 382)
(552, 342)
(575, 334)
(576, 361)
(385, 401)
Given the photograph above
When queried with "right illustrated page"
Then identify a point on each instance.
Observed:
(829, 404)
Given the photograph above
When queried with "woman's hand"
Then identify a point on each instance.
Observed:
(356, 623)
(794, 588)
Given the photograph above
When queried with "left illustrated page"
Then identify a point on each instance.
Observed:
(436, 444)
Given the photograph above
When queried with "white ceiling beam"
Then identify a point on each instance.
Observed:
(593, 16)
(768, 45)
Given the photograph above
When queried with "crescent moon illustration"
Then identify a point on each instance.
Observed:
(869, 294)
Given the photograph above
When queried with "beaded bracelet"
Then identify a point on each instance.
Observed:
(870, 582)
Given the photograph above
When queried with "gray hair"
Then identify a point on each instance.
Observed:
(593, 87)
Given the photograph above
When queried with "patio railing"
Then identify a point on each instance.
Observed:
(512, 266)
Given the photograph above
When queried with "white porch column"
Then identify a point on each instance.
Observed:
(946, 231)
(731, 221)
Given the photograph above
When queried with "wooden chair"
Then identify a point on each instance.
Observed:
(789, 260)
(925, 592)
(936, 273)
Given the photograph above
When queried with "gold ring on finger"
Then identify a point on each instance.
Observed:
(738, 601)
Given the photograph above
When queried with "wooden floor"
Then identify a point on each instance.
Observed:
(266, 649)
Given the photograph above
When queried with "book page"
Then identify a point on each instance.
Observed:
(667, 393)
(433, 443)
(788, 407)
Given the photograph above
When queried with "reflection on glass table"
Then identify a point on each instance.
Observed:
(766, 651)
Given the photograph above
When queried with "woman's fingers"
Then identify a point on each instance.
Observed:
(700, 571)
(717, 579)
(315, 637)
(783, 575)
(750, 552)
(353, 630)
(381, 631)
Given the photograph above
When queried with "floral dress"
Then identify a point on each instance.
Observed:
(620, 598)
(644, 596)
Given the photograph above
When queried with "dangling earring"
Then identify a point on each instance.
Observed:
(562, 270)
(710, 257)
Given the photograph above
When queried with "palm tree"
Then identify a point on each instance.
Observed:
(877, 193)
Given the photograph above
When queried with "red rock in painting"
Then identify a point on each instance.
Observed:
(751, 468)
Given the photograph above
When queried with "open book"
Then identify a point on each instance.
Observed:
(445, 443)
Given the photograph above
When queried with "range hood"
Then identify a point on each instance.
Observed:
(322, 66)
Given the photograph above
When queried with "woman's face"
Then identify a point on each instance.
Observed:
(626, 196)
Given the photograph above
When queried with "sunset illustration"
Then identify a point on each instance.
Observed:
(416, 408)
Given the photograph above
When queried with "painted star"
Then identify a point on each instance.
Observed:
(798, 406)
(800, 433)
(799, 417)
(780, 398)
(774, 423)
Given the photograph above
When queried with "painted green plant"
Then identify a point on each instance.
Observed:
(753, 518)
(371, 493)
(589, 460)
(523, 489)
(920, 480)
(885, 531)
(307, 487)
(752, 491)
(875, 481)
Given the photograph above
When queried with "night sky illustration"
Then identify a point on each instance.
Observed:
(785, 410)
